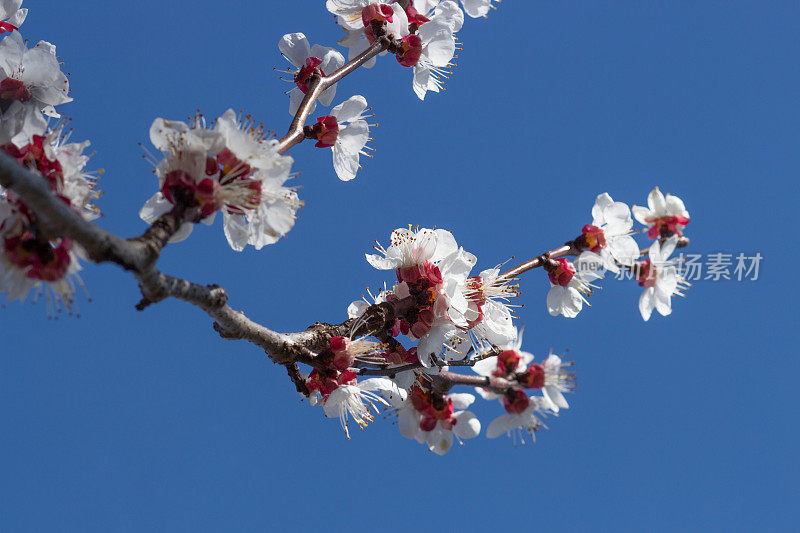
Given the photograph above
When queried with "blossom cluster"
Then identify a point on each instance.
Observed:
(233, 167)
(31, 86)
(436, 315)
(421, 34)
(450, 318)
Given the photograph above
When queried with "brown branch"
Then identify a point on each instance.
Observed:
(567, 249)
(155, 237)
(138, 255)
(317, 84)
(446, 380)
(58, 219)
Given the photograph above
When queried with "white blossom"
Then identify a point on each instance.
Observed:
(11, 16)
(305, 58)
(570, 285)
(354, 401)
(232, 167)
(663, 216)
(436, 426)
(438, 48)
(659, 276)
(32, 75)
(515, 424)
(609, 235)
(353, 136)
(30, 260)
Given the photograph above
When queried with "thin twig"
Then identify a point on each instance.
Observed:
(317, 84)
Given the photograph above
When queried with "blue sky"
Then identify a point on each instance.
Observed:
(128, 421)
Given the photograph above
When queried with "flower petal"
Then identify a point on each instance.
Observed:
(295, 47)
(468, 425)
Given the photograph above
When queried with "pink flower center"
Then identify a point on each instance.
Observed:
(592, 238)
(326, 131)
(415, 20)
(33, 156)
(380, 13)
(533, 377)
(342, 358)
(561, 271)
(13, 90)
(410, 50)
(666, 227)
(423, 280)
(45, 261)
(433, 407)
(328, 381)
(7, 27)
(515, 401)
(645, 274)
(507, 362)
(181, 188)
(301, 78)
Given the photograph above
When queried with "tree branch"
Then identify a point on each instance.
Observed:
(317, 84)
(139, 255)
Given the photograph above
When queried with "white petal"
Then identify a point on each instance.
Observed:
(555, 397)
(600, 204)
(430, 344)
(641, 213)
(675, 206)
(486, 394)
(153, 208)
(461, 400)
(624, 249)
(476, 8)
(421, 82)
(386, 387)
(357, 308)
(657, 203)
(19, 17)
(350, 110)
(295, 47)
(618, 218)
(449, 13)
(647, 303)
(668, 247)
(485, 367)
(382, 263)
(236, 230)
(439, 440)
(445, 245)
(398, 27)
(440, 44)
(502, 425)
(8, 8)
(468, 425)
(346, 150)
(408, 422)
(663, 303)
(554, 299)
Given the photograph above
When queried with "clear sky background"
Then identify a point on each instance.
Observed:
(128, 421)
